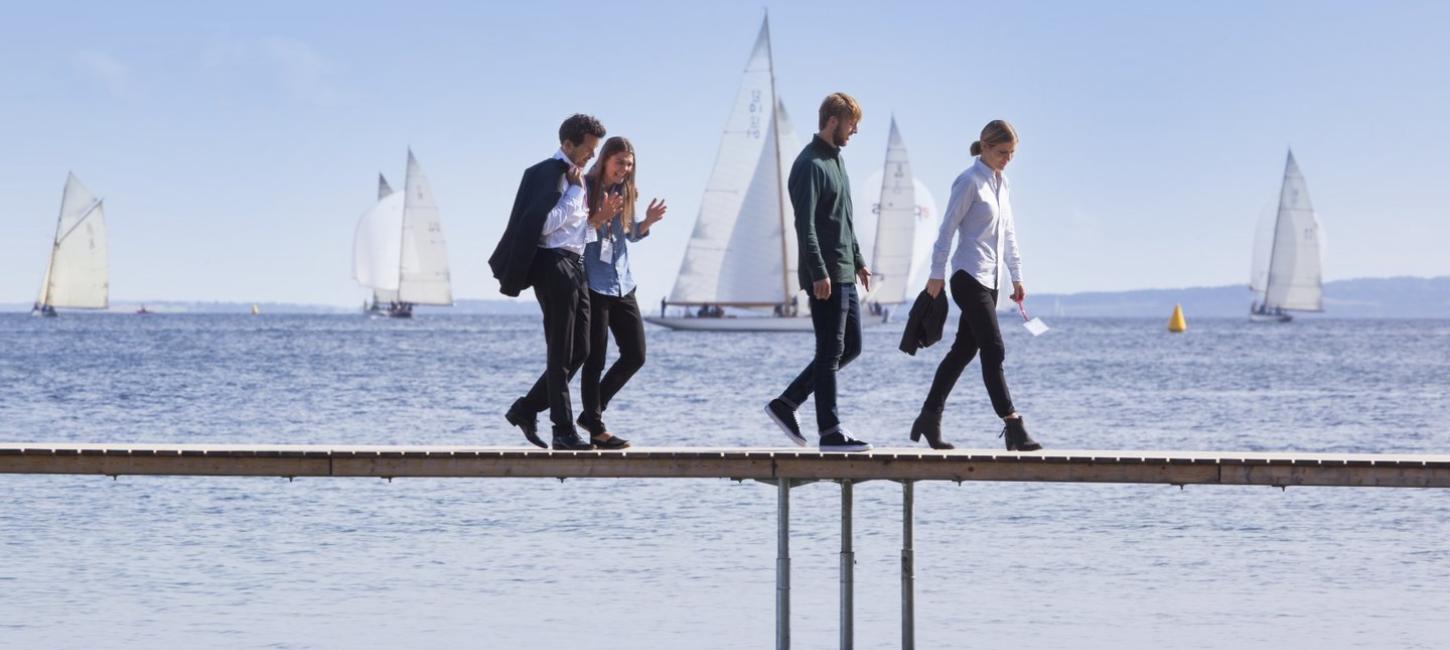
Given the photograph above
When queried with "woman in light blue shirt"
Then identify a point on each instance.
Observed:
(612, 307)
(979, 217)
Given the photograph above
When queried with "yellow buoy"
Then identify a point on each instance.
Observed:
(1176, 323)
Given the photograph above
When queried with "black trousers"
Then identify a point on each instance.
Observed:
(620, 316)
(558, 279)
(837, 323)
(976, 331)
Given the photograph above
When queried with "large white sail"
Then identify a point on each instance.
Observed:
(423, 268)
(895, 246)
(378, 244)
(742, 251)
(1293, 281)
(77, 274)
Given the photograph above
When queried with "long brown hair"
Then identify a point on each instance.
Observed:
(613, 147)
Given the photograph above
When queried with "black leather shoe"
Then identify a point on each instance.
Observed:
(571, 442)
(1015, 433)
(929, 425)
(528, 424)
(610, 443)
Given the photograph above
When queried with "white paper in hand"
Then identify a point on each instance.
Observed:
(1033, 325)
(1036, 326)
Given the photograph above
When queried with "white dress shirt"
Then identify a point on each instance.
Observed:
(567, 225)
(979, 214)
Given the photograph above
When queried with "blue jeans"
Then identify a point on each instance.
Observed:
(837, 322)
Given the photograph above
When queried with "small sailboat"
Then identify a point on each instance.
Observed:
(398, 249)
(1287, 269)
(905, 218)
(742, 253)
(76, 275)
(255, 309)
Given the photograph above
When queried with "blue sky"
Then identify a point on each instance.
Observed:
(236, 144)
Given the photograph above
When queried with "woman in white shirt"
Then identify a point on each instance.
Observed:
(979, 216)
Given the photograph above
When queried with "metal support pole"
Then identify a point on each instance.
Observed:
(908, 568)
(848, 564)
(782, 566)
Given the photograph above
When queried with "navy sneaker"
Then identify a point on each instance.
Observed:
(784, 417)
(840, 440)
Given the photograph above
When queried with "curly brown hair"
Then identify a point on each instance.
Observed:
(579, 125)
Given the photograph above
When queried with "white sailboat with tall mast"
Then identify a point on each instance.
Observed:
(1287, 270)
(742, 253)
(76, 275)
(398, 249)
(905, 217)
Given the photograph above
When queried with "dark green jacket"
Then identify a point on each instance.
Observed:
(820, 196)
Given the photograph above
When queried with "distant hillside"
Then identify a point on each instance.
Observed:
(496, 307)
(1402, 297)
(1362, 298)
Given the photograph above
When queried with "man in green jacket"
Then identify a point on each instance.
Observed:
(830, 265)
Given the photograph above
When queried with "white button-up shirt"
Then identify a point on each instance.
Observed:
(979, 214)
(567, 225)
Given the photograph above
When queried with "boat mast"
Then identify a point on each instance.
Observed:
(1273, 247)
(779, 176)
(55, 244)
(402, 230)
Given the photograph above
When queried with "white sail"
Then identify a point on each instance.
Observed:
(742, 251)
(377, 246)
(77, 274)
(423, 268)
(1293, 281)
(895, 244)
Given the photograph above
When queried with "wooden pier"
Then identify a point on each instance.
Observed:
(784, 468)
(1161, 467)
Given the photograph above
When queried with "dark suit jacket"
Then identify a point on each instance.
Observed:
(514, 255)
(925, 324)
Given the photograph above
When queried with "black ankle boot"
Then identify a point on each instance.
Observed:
(1015, 432)
(929, 425)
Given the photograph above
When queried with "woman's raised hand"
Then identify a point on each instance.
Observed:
(655, 211)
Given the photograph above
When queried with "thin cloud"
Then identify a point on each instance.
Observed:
(300, 69)
(296, 68)
(105, 69)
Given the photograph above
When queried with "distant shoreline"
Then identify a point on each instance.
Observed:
(1397, 297)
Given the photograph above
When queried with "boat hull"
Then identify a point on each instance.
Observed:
(1270, 318)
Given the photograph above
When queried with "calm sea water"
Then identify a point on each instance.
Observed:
(362, 563)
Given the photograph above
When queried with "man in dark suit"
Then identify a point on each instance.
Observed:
(542, 247)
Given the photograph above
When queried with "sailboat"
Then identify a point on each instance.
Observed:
(905, 215)
(398, 249)
(1287, 268)
(76, 274)
(742, 253)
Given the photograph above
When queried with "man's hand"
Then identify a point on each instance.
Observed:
(864, 276)
(822, 288)
(1018, 293)
(934, 287)
(575, 175)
